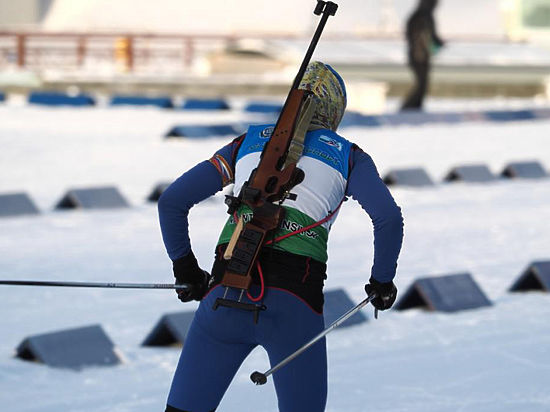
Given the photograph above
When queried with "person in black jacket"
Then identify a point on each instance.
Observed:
(423, 41)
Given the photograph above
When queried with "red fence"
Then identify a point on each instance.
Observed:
(104, 51)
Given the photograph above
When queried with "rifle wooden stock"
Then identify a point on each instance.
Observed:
(269, 183)
(271, 178)
(274, 177)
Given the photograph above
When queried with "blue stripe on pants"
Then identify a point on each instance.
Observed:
(219, 341)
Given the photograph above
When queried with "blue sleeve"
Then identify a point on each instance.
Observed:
(197, 184)
(366, 186)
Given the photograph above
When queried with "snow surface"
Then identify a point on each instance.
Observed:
(494, 359)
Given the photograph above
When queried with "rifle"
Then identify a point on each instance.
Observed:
(273, 179)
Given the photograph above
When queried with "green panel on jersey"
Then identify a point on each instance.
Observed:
(312, 242)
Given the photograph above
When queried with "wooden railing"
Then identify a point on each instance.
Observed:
(104, 51)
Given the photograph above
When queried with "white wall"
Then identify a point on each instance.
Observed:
(455, 17)
(15, 12)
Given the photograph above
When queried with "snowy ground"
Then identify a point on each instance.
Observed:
(489, 360)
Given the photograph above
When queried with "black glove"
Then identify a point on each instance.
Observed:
(385, 293)
(187, 270)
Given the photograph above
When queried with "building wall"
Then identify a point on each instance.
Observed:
(14, 13)
(486, 19)
(360, 17)
(528, 20)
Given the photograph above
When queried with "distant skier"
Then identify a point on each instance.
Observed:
(293, 269)
(423, 42)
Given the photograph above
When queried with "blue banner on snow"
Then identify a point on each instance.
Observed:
(203, 131)
(416, 118)
(60, 99)
(205, 104)
(125, 100)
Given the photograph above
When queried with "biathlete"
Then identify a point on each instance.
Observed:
(289, 278)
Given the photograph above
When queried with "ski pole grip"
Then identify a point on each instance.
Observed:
(258, 378)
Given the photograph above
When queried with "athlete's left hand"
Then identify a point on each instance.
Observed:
(386, 293)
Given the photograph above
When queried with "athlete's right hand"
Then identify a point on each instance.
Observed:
(187, 271)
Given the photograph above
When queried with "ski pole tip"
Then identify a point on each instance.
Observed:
(258, 378)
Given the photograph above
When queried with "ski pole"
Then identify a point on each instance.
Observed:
(261, 378)
(94, 284)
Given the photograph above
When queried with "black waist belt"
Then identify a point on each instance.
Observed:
(298, 274)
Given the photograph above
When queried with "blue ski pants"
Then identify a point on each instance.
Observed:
(219, 340)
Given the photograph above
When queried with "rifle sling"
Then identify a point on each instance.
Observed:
(296, 147)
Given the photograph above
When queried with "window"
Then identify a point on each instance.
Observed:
(536, 14)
